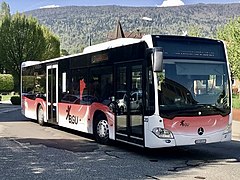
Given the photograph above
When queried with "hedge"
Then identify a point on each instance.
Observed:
(15, 100)
(6, 82)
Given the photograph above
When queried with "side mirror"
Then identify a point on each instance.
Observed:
(157, 56)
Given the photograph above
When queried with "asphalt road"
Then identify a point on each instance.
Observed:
(30, 151)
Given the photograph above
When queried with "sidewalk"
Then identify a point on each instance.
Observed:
(5, 103)
(235, 130)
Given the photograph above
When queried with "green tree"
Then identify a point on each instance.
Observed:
(24, 39)
(4, 10)
(64, 52)
(195, 31)
(6, 82)
(52, 49)
(21, 39)
(230, 33)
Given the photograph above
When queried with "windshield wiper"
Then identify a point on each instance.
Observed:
(171, 113)
(194, 110)
(216, 108)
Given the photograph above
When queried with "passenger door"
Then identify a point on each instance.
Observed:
(52, 93)
(129, 117)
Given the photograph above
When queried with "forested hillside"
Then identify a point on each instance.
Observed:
(73, 24)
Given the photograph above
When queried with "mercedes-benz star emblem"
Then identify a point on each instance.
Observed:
(200, 131)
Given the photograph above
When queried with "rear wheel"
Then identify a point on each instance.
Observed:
(40, 116)
(101, 130)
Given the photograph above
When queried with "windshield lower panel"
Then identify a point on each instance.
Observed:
(193, 88)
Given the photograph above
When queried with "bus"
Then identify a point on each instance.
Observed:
(157, 91)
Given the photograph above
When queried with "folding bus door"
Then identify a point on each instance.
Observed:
(128, 95)
(52, 93)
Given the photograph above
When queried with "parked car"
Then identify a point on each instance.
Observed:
(121, 101)
(74, 99)
(135, 101)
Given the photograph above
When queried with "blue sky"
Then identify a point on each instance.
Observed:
(26, 5)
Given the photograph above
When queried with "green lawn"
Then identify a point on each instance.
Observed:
(6, 97)
(236, 101)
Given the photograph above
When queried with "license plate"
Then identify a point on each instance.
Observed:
(200, 141)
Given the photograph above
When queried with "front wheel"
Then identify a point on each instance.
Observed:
(40, 116)
(101, 131)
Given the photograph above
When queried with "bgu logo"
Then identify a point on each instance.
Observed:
(184, 124)
(71, 118)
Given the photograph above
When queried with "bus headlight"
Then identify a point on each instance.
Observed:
(228, 129)
(162, 133)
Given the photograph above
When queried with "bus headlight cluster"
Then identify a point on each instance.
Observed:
(162, 133)
(228, 129)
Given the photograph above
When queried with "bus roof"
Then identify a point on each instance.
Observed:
(111, 44)
(30, 63)
(90, 49)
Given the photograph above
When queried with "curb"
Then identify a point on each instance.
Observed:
(235, 130)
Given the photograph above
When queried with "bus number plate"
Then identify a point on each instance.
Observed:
(200, 141)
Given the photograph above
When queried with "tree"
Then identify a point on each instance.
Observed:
(6, 82)
(64, 52)
(52, 49)
(5, 10)
(230, 33)
(195, 31)
(24, 39)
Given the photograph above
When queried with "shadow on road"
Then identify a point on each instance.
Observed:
(12, 115)
(63, 144)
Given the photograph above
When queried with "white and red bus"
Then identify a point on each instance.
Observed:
(158, 91)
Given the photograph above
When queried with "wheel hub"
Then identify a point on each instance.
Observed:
(102, 128)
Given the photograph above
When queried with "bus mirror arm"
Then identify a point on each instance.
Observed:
(157, 59)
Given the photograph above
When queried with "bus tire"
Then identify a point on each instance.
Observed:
(101, 130)
(40, 115)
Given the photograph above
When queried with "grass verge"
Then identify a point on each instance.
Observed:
(236, 101)
(6, 97)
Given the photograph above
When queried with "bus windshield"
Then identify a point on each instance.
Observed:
(193, 88)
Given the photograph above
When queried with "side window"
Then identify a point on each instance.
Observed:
(28, 80)
(34, 81)
(76, 87)
(101, 84)
(86, 86)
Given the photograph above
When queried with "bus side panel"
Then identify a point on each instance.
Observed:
(74, 116)
(29, 107)
(80, 117)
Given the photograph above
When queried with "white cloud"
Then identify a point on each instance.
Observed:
(49, 6)
(167, 3)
